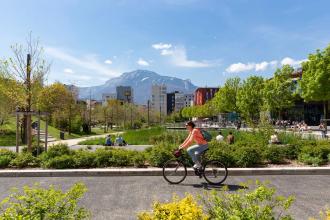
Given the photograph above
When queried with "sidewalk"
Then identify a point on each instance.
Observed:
(69, 142)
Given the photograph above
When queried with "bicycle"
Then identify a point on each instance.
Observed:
(213, 171)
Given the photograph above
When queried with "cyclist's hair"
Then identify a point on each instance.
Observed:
(191, 124)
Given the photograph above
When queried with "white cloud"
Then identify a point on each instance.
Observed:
(89, 63)
(179, 56)
(262, 66)
(142, 62)
(161, 46)
(240, 67)
(291, 62)
(108, 62)
(68, 70)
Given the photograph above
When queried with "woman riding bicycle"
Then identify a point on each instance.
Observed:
(195, 150)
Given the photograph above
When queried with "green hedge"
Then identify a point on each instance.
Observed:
(249, 150)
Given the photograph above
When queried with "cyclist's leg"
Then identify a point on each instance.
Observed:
(195, 152)
(200, 150)
(191, 151)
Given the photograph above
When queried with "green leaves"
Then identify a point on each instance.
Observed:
(249, 97)
(278, 92)
(41, 203)
(261, 202)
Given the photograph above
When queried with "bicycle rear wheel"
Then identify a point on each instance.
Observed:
(215, 172)
(174, 171)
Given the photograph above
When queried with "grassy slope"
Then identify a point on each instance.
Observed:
(9, 138)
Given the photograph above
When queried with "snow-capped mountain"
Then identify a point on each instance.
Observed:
(141, 82)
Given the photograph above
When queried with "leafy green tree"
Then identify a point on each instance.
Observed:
(315, 82)
(250, 98)
(278, 92)
(225, 98)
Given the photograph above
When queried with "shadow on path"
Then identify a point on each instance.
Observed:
(207, 186)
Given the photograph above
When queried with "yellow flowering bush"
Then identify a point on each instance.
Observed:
(323, 215)
(184, 209)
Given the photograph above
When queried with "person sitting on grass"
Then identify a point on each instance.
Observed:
(219, 137)
(108, 141)
(120, 141)
(230, 138)
(274, 139)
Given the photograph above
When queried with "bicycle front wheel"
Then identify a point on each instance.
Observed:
(174, 171)
(215, 172)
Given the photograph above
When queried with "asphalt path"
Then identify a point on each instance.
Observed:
(123, 197)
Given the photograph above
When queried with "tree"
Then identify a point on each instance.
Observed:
(279, 91)
(29, 70)
(250, 99)
(225, 98)
(57, 100)
(315, 82)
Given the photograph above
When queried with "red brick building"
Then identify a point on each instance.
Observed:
(202, 95)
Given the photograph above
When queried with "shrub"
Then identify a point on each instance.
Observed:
(60, 162)
(25, 160)
(139, 159)
(5, 161)
(221, 152)
(258, 203)
(310, 160)
(34, 150)
(159, 155)
(102, 157)
(5, 152)
(186, 208)
(6, 156)
(275, 154)
(248, 156)
(40, 203)
(120, 157)
(314, 153)
(292, 151)
(85, 159)
(58, 150)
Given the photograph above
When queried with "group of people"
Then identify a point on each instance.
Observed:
(230, 137)
(297, 125)
(119, 141)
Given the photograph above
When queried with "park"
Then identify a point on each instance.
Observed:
(103, 135)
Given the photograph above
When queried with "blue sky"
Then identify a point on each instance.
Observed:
(207, 41)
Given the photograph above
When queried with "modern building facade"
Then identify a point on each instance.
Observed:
(175, 101)
(179, 101)
(170, 102)
(159, 99)
(309, 112)
(202, 95)
(125, 94)
(188, 100)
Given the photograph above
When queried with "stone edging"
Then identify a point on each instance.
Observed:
(158, 172)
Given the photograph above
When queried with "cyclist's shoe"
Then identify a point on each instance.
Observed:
(197, 166)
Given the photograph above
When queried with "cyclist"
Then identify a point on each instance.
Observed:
(195, 150)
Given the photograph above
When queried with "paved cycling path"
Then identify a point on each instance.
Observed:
(122, 197)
